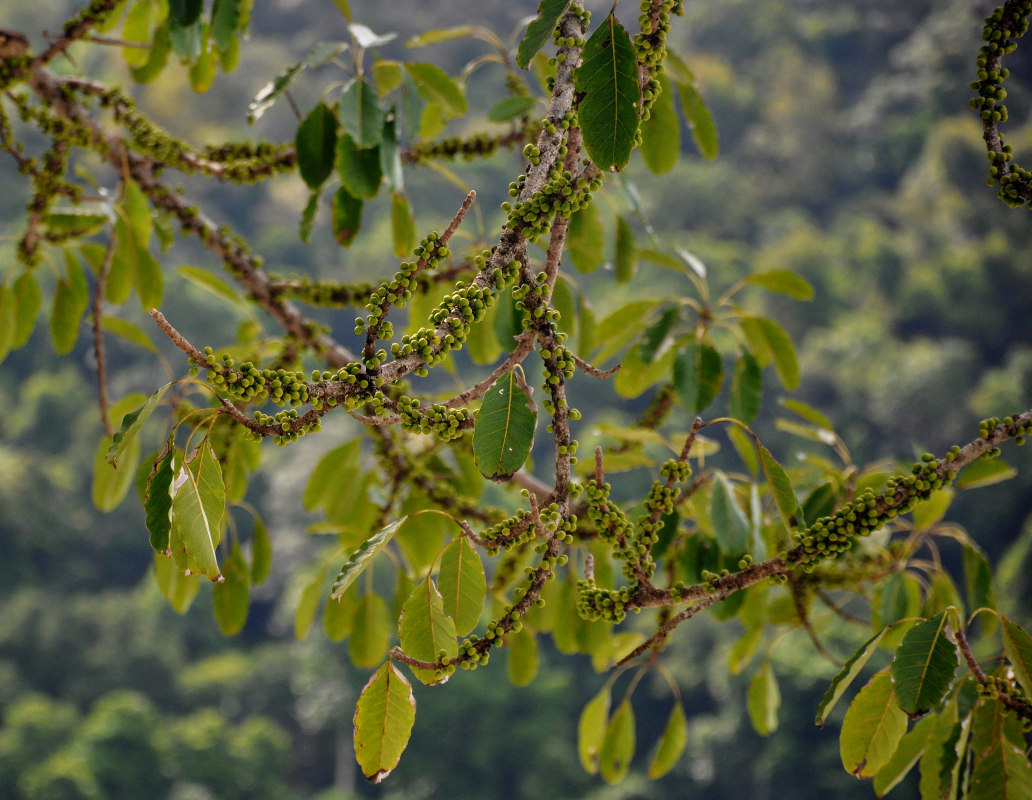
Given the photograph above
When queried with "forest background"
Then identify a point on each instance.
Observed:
(848, 155)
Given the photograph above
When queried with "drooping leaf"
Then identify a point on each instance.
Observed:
(187, 42)
(608, 79)
(614, 759)
(924, 665)
(978, 581)
(930, 511)
(347, 216)
(744, 649)
(8, 318)
(780, 487)
(363, 557)
(591, 730)
(157, 56)
(261, 553)
(360, 114)
(435, 86)
(661, 132)
(359, 169)
(175, 586)
(370, 631)
(403, 225)
(71, 298)
(132, 423)
(984, 473)
(384, 717)
(940, 758)
(390, 153)
(746, 389)
(28, 299)
(308, 215)
(626, 258)
(908, 751)
(203, 71)
(212, 283)
(730, 524)
(782, 281)
(129, 331)
(504, 429)
(698, 375)
(441, 35)
(339, 615)
(270, 92)
(511, 107)
(636, 376)
(540, 30)
(185, 12)
(872, 728)
(158, 502)
(671, 744)
(1003, 773)
(308, 604)
(1017, 644)
(463, 584)
(110, 485)
(225, 18)
(198, 505)
(231, 598)
(585, 239)
(764, 700)
(316, 145)
(769, 341)
(522, 665)
(137, 29)
(426, 631)
(704, 132)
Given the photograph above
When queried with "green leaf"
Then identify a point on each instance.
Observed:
(363, 557)
(129, 331)
(403, 225)
(175, 586)
(938, 774)
(872, 728)
(704, 132)
(846, 676)
(323, 53)
(504, 429)
(810, 414)
(71, 298)
(591, 730)
(360, 114)
(316, 145)
(626, 258)
(924, 665)
(744, 649)
(614, 759)
(185, 13)
(347, 216)
(203, 71)
(426, 631)
(212, 283)
(522, 665)
(28, 300)
(359, 169)
(231, 598)
(157, 56)
(435, 86)
(782, 281)
(540, 30)
(1017, 644)
(608, 80)
(661, 132)
(261, 553)
(908, 751)
(441, 35)
(187, 42)
(270, 92)
(344, 7)
(110, 486)
(137, 29)
(928, 512)
(768, 340)
(370, 631)
(390, 154)
(614, 332)
(384, 717)
(984, 473)
(131, 424)
(463, 584)
(225, 18)
(978, 580)
(780, 487)
(511, 107)
(1003, 773)
(730, 524)
(198, 505)
(585, 239)
(763, 700)
(388, 76)
(8, 318)
(339, 615)
(158, 503)
(635, 376)
(698, 375)
(671, 744)
(308, 604)
(308, 216)
(746, 389)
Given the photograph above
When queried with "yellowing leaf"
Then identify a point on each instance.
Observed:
(872, 728)
(671, 744)
(384, 716)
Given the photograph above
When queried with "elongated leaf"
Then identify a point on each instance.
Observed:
(426, 632)
(403, 226)
(809, 413)
(984, 473)
(1017, 644)
(769, 341)
(978, 581)
(782, 281)
(908, 751)
(198, 505)
(780, 487)
(339, 615)
(436, 86)
(698, 375)
(384, 717)
(175, 586)
(585, 239)
(225, 18)
(614, 759)
(614, 332)
(158, 502)
(359, 169)
(462, 584)
(212, 283)
(608, 79)
(308, 604)
(390, 153)
(846, 676)
(308, 215)
(661, 132)
(1003, 773)
(511, 107)
(729, 521)
(746, 389)
(363, 557)
(938, 777)
(540, 30)
(137, 29)
(185, 12)
(261, 553)
(71, 298)
(347, 216)
(704, 132)
(132, 423)
(371, 630)
(316, 145)
(8, 318)
(522, 665)
(924, 665)
(872, 728)
(270, 92)
(671, 744)
(28, 300)
(231, 599)
(930, 511)
(591, 730)
(360, 114)
(129, 331)
(504, 429)
(110, 486)
(764, 700)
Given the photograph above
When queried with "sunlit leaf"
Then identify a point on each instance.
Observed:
(370, 631)
(28, 299)
(522, 665)
(462, 584)
(384, 717)
(178, 588)
(198, 505)
(661, 132)
(933, 509)
(591, 730)
(872, 728)
(436, 86)
(984, 473)
(111, 485)
(764, 700)
(137, 29)
(225, 18)
(671, 745)
(626, 254)
(782, 281)
(426, 631)
(363, 557)
(504, 429)
(132, 423)
(910, 748)
(585, 239)
(614, 759)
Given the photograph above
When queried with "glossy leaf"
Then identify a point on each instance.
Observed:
(347, 216)
(845, 676)
(359, 169)
(384, 717)
(746, 389)
(910, 748)
(270, 92)
(780, 487)
(360, 114)
(436, 86)
(363, 557)
(522, 665)
(764, 700)
(316, 145)
(782, 281)
(672, 744)
(614, 759)
(463, 584)
(730, 524)
(661, 132)
(1017, 644)
(872, 728)
(511, 107)
(198, 505)
(585, 239)
(504, 429)
(608, 79)
(132, 423)
(231, 598)
(924, 665)
(539, 32)
(698, 375)
(370, 631)
(426, 631)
